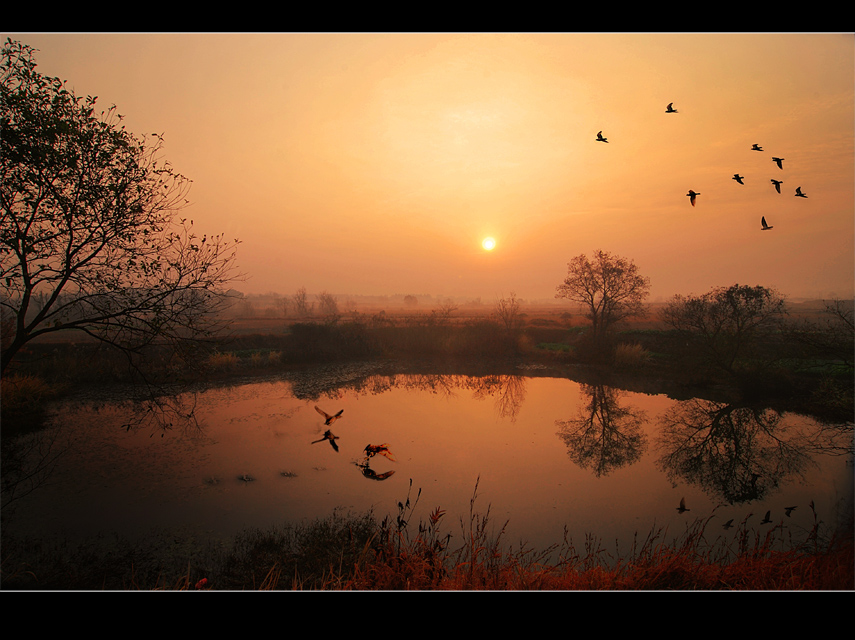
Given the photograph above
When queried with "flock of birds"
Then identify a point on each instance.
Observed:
(692, 195)
(370, 450)
(767, 519)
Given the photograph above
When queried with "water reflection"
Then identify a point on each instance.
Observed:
(369, 473)
(735, 452)
(159, 414)
(553, 455)
(607, 434)
(328, 435)
(372, 450)
(508, 391)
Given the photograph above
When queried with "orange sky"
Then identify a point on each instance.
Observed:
(377, 163)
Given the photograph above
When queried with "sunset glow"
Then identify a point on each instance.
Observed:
(364, 163)
(489, 244)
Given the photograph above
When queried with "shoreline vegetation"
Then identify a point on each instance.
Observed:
(803, 365)
(347, 552)
(793, 369)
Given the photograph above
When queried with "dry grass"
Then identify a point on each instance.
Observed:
(630, 356)
(358, 553)
(23, 391)
(218, 361)
(744, 561)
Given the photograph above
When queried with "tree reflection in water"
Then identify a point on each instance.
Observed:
(508, 390)
(738, 453)
(606, 435)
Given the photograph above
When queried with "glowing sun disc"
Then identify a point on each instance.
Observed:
(488, 244)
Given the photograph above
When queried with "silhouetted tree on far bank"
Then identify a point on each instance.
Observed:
(725, 328)
(608, 287)
(327, 304)
(300, 303)
(508, 312)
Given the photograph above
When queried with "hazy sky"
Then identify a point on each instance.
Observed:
(377, 163)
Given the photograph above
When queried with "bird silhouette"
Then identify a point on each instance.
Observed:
(778, 161)
(328, 435)
(328, 419)
(682, 506)
(600, 137)
(799, 193)
(765, 226)
(372, 450)
(777, 184)
(738, 178)
(756, 147)
(728, 524)
(766, 519)
(670, 108)
(788, 511)
(692, 195)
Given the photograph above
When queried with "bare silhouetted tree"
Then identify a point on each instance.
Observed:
(90, 238)
(300, 303)
(608, 287)
(724, 326)
(508, 312)
(327, 304)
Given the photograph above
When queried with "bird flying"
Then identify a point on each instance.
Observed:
(799, 193)
(777, 184)
(788, 511)
(766, 519)
(682, 506)
(765, 226)
(328, 435)
(756, 147)
(600, 137)
(778, 161)
(728, 524)
(328, 419)
(670, 108)
(372, 450)
(692, 195)
(738, 178)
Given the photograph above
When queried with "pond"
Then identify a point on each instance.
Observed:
(548, 455)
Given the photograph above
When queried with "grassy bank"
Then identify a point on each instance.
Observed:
(796, 378)
(360, 552)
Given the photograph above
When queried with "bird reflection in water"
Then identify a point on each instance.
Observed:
(372, 450)
(369, 473)
(328, 435)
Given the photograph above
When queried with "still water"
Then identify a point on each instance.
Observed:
(547, 455)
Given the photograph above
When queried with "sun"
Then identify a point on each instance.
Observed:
(488, 243)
